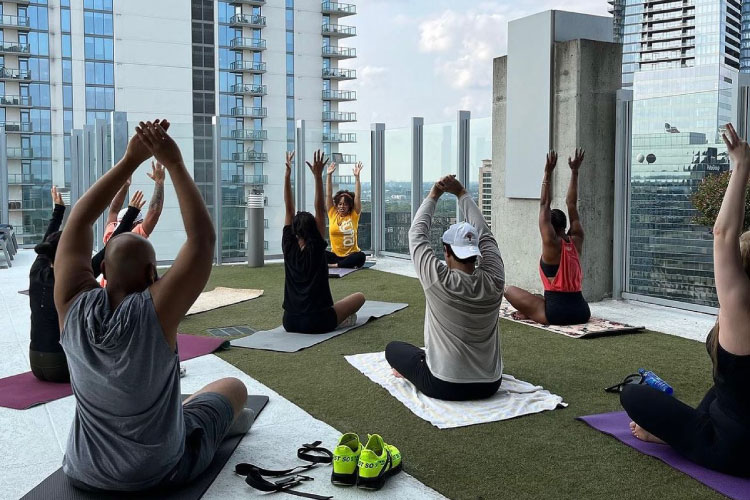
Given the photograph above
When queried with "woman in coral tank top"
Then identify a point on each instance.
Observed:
(559, 267)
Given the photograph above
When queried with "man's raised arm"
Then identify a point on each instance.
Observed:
(73, 273)
(177, 290)
(117, 201)
(423, 256)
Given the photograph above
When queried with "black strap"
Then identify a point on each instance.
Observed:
(308, 452)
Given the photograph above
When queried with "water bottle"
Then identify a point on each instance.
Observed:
(652, 379)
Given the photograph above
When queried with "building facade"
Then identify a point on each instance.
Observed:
(682, 61)
(485, 191)
(255, 67)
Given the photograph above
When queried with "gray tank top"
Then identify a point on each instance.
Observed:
(129, 431)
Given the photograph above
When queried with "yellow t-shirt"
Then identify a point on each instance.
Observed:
(342, 232)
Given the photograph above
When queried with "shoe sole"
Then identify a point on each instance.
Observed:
(376, 483)
(344, 479)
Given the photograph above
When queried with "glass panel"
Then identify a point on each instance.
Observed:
(359, 150)
(397, 190)
(440, 159)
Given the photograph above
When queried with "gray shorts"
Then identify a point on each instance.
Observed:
(207, 419)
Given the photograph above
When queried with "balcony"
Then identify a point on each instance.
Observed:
(250, 180)
(248, 89)
(255, 67)
(338, 9)
(249, 156)
(242, 43)
(343, 159)
(14, 205)
(249, 135)
(15, 101)
(339, 74)
(338, 137)
(344, 179)
(20, 153)
(339, 95)
(14, 48)
(20, 179)
(339, 52)
(339, 30)
(254, 3)
(17, 127)
(249, 112)
(247, 21)
(339, 116)
(10, 74)
(17, 22)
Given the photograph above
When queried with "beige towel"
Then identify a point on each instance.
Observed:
(221, 297)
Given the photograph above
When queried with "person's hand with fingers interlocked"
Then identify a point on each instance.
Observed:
(450, 184)
(319, 163)
(137, 149)
(159, 143)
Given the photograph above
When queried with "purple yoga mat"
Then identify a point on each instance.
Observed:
(23, 391)
(617, 425)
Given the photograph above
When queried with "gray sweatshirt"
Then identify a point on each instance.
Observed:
(461, 331)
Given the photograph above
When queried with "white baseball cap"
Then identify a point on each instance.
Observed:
(463, 239)
(121, 214)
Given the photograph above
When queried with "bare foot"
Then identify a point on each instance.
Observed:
(643, 434)
(396, 374)
(519, 317)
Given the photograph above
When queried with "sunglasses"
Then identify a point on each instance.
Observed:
(632, 379)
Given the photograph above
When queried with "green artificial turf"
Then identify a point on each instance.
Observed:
(546, 455)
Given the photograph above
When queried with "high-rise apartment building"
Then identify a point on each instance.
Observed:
(256, 66)
(681, 58)
(485, 191)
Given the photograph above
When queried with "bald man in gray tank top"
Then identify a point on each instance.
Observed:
(131, 432)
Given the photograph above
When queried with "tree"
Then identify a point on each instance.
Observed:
(708, 197)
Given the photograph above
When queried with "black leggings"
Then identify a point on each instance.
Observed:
(566, 308)
(49, 366)
(351, 261)
(703, 435)
(410, 362)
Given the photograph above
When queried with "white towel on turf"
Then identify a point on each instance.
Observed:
(514, 398)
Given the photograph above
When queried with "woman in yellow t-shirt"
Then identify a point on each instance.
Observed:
(344, 209)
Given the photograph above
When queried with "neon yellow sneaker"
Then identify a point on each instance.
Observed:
(378, 462)
(345, 458)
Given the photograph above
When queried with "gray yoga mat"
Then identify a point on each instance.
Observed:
(340, 272)
(280, 340)
(57, 486)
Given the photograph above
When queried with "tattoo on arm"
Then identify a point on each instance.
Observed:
(157, 199)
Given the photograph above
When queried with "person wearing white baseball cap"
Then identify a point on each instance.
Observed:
(462, 359)
(560, 265)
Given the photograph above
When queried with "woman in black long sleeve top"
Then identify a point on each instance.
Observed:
(46, 356)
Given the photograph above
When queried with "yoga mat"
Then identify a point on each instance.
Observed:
(515, 398)
(595, 326)
(57, 486)
(221, 297)
(23, 292)
(340, 272)
(282, 341)
(617, 425)
(23, 391)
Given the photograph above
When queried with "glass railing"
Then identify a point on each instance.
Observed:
(16, 179)
(248, 43)
(20, 153)
(15, 48)
(339, 73)
(248, 89)
(248, 20)
(17, 127)
(249, 156)
(15, 100)
(250, 180)
(16, 21)
(341, 9)
(339, 116)
(339, 95)
(398, 192)
(339, 30)
(440, 157)
(249, 135)
(339, 137)
(250, 112)
(248, 66)
(335, 51)
(14, 74)
(255, 3)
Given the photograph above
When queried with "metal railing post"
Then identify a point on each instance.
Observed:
(417, 163)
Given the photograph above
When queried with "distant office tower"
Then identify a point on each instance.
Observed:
(258, 66)
(485, 191)
(682, 61)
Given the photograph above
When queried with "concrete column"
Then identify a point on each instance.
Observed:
(218, 201)
(463, 131)
(76, 165)
(119, 136)
(620, 226)
(586, 77)
(299, 167)
(377, 160)
(417, 163)
(4, 191)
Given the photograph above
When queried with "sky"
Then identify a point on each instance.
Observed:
(430, 58)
